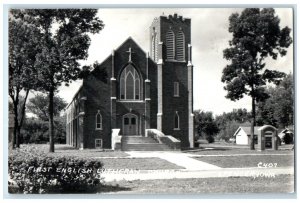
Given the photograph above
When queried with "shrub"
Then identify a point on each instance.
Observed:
(210, 138)
(288, 138)
(35, 172)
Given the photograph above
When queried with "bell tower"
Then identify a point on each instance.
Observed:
(170, 48)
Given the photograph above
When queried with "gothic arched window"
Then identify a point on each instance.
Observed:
(176, 121)
(98, 120)
(170, 44)
(130, 84)
(180, 52)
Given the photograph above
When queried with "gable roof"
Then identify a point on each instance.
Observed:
(128, 40)
(79, 89)
(247, 130)
(287, 130)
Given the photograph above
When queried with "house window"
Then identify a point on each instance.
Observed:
(180, 52)
(98, 121)
(130, 84)
(176, 89)
(176, 121)
(98, 143)
(170, 44)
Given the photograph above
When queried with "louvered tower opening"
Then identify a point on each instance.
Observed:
(180, 52)
(170, 44)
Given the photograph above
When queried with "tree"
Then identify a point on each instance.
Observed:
(229, 122)
(278, 110)
(23, 47)
(38, 106)
(65, 40)
(206, 125)
(256, 36)
(37, 131)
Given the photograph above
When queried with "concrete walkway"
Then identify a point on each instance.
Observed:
(193, 169)
(130, 175)
(178, 158)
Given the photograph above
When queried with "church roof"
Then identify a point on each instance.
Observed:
(128, 40)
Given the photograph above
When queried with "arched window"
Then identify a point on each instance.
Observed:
(98, 121)
(180, 52)
(176, 121)
(170, 44)
(130, 84)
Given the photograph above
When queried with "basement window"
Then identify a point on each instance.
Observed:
(98, 143)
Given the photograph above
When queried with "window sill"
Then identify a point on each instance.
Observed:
(176, 96)
(176, 129)
(174, 60)
(137, 101)
(98, 129)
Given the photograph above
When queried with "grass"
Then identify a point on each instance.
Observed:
(248, 161)
(65, 150)
(138, 164)
(230, 151)
(231, 185)
(112, 160)
(279, 184)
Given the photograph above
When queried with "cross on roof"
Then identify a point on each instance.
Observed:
(130, 53)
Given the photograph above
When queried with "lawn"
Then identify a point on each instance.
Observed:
(138, 164)
(110, 159)
(230, 151)
(248, 160)
(242, 185)
(65, 150)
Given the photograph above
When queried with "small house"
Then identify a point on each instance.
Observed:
(242, 135)
(287, 135)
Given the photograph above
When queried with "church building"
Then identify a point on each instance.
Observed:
(132, 91)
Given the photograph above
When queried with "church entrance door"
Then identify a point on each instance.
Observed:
(130, 124)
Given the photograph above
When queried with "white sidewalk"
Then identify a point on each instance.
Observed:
(183, 173)
(193, 169)
(178, 158)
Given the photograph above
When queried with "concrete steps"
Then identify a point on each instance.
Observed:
(139, 143)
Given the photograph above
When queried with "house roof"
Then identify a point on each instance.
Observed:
(247, 130)
(288, 130)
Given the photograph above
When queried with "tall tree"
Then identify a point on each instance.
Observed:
(38, 106)
(23, 47)
(278, 110)
(65, 41)
(256, 35)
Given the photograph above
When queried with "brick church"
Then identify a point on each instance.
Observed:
(132, 92)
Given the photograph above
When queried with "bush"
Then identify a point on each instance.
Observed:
(288, 138)
(35, 172)
(210, 138)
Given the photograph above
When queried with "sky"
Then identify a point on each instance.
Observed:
(210, 36)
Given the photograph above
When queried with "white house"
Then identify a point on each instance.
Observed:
(242, 135)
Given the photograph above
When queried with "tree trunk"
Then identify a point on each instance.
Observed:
(14, 137)
(18, 135)
(252, 125)
(51, 130)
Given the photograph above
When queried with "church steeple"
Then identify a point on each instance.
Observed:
(172, 51)
(174, 32)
